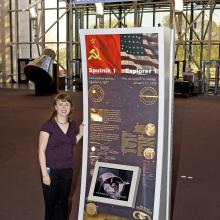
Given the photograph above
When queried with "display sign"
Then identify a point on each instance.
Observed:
(96, 1)
(127, 97)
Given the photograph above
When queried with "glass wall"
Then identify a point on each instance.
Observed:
(57, 26)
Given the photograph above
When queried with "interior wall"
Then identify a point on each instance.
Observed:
(7, 40)
(2, 37)
(24, 29)
(5, 55)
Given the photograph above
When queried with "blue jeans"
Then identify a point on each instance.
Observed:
(56, 195)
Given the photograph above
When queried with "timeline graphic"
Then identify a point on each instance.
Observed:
(96, 93)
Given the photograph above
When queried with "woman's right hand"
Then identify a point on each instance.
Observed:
(46, 180)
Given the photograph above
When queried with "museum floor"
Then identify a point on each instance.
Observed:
(196, 150)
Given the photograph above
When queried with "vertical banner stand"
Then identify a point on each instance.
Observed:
(127, 110)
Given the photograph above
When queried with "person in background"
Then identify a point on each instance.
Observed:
(57, 138)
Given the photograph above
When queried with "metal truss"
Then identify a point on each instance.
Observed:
(182, 35)
(118, 11)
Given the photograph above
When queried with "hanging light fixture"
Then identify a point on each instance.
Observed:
(33, 13)
(179, 5)
(99, 8)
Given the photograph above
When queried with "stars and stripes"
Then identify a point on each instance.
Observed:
(139, 51)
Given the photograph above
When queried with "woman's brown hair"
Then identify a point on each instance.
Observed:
(64, 97)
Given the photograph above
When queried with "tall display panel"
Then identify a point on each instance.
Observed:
(127, 99)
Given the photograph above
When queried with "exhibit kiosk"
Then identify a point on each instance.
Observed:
(127, 99)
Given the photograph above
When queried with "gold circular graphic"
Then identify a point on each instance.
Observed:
(148, 96)
(141, 215)
(91, 209)
(96, 93)
(150, 129)
(149, 153)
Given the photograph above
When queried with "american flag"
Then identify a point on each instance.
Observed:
(139, 51)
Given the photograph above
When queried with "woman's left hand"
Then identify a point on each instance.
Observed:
(80, 134)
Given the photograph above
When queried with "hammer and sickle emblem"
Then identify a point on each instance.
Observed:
(94, 53)
(141, 215)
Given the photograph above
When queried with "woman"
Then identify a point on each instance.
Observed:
(57, 137)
